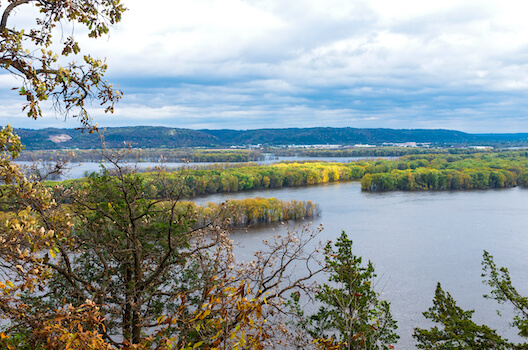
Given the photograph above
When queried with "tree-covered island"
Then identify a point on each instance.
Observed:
(481, 170)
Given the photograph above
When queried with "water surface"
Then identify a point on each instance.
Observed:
(417, 239)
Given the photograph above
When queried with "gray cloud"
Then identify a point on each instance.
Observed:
(270, 63)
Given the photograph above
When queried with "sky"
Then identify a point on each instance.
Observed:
(250, 64)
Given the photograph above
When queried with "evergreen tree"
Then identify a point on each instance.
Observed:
(458, 331)
(352, 315)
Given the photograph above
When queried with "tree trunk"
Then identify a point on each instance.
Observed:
(127, 310)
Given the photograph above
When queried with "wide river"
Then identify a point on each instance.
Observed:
(415, 239)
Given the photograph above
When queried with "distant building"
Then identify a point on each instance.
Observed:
(407, 144)
(259, 146)
(314, 146)
(480, 147)
(364, 146)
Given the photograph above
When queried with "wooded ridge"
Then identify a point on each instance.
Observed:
(162, 137)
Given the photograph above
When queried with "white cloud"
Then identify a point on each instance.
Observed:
(274, 63)
(8, 81)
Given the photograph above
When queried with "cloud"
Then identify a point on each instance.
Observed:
(271, 63)
(7, 81)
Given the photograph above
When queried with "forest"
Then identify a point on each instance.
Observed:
(197, 155)
(119, 261)
(248, 211)
(481, 170)
(163, 137)
(147, 155)
(374, 152)
(218, 178)
(449, 172)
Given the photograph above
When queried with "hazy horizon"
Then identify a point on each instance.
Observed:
(277, 128)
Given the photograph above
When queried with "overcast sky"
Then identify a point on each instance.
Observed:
(248, 64)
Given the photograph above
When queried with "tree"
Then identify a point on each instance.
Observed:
(29, 54)
(129, 254)
(459, 331)
(133, 269)
(352, 315)
(504, 292)
(32, 221)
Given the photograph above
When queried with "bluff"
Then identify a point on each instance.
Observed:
(162, 137)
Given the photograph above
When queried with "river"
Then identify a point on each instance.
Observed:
(416, 239)
(78, 170)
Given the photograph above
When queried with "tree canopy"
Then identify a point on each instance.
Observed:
(455, 327)
(39, 57)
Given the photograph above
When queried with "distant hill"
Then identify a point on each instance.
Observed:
(138, 136)
(503, 137)
(343, 136)
(161, 137)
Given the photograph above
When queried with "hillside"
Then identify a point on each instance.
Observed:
(139, 136)
(161, 137)
(342, 136)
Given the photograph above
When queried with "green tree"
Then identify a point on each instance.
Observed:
(503, 291)
(122, 267)
(131, 255)
(458, 329)
(352, 315)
